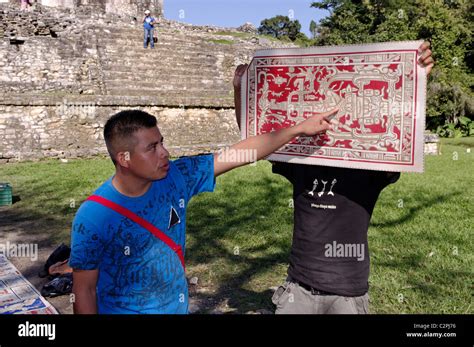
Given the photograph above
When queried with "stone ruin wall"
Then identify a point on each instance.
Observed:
(31, 132)
(129, 7)
(54, 97)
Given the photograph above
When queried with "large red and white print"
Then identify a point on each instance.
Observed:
(378, 88)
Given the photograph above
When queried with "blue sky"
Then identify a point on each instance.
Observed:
(233, 13)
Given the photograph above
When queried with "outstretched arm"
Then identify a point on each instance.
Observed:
(258, 147)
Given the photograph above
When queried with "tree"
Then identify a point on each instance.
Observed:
(312, 28)
(280, 27)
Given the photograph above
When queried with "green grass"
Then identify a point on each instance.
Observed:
(272, 38)
(463, 141)
(50, 192)
(421, 238)
(239, 237)
(222, 41)
(234, 34)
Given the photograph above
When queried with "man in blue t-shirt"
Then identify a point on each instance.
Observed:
(121, 267)
(148, 26)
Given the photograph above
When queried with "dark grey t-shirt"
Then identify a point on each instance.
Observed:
(333, 207)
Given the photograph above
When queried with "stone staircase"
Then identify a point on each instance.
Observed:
(183, 69)
(71, 53)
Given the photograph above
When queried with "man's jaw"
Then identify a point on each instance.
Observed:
(164, 167)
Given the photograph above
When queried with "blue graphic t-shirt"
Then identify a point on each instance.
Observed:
(139, 273)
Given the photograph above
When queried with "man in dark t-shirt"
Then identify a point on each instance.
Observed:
(329, 260)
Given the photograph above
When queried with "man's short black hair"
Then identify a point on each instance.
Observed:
(119, 130)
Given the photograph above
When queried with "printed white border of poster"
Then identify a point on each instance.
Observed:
(418, 162)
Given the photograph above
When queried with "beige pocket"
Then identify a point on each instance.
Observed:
(280, 294)
(362, 304)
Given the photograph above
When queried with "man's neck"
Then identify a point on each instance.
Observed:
(130, 185)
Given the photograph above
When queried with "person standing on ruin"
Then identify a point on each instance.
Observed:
(148, 27)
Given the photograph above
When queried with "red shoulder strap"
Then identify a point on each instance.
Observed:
(142, 222)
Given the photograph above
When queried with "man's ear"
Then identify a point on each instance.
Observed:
(123, 159)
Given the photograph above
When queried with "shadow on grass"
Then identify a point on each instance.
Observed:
(417, 270)
(413, 211)
(18, 226)
(46, 230)
(208, 230)
(246, 209)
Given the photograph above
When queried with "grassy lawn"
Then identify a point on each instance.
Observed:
(239, 238)
(234, 34)
(222, 41)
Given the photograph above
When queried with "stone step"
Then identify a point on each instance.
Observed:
(203, 45)
(197, 93)
(142, 72)
(172, 83)
(168, 89)
(135, 66)
(162, 32)
(130, 34)
(177, 81)
(141, 64)
(169, 42)
(137, 45)
(189, 76)
(136, 48)
(155, 61)
(158, 52)
(124, 72)
(49, 86)
(124, 31)
(41, 99)
(172, 41)
(189, 99)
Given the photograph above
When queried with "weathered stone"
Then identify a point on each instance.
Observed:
(248, 28)
(69, 63)
(264, 41)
